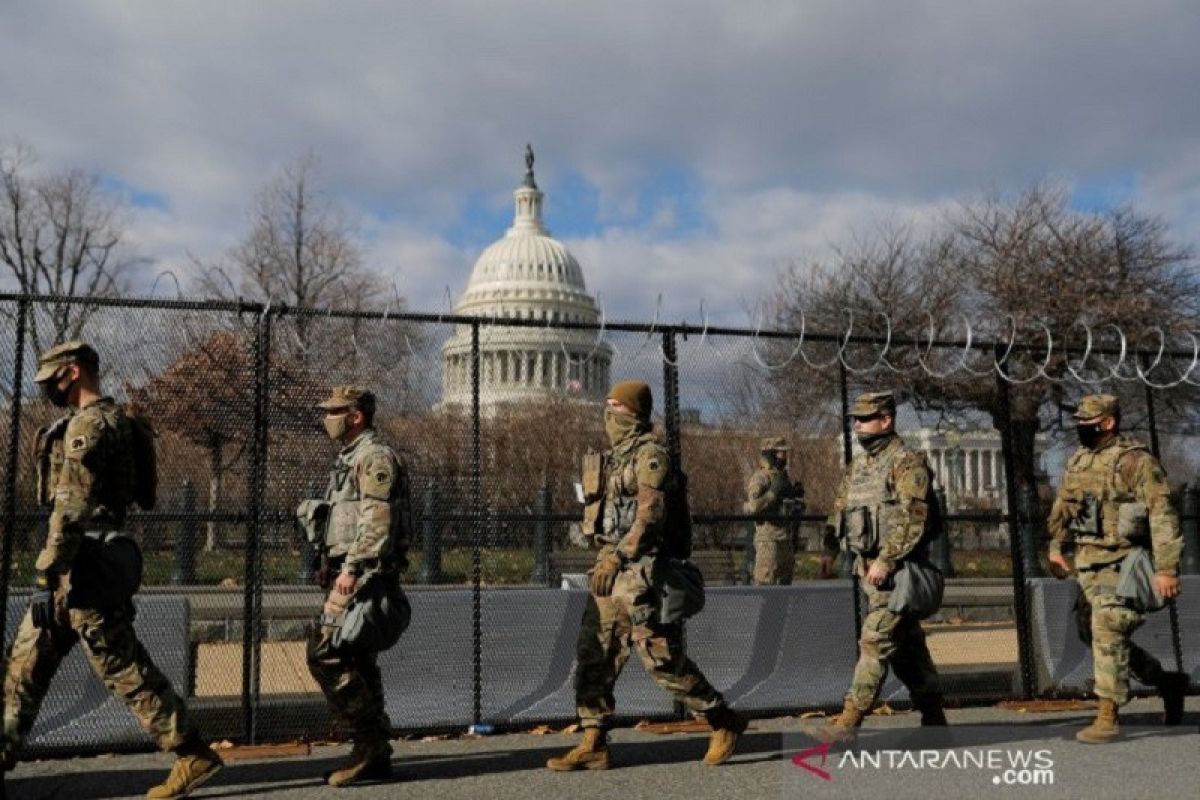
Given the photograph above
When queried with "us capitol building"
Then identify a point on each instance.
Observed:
(530, 276)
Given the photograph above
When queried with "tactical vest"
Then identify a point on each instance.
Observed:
(1099, 510)
(112, 463)
(620, 490)
(871, 503)
(345, 499)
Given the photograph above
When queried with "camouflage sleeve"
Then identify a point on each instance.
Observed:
(758, 495)
(833, 522)
(651, 465)
(377, 479)
(74, 493)
(1056, 524)
(1149, 481)
(911, 480)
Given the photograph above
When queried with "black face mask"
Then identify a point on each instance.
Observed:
(52, 392)
(1089, 435)
(873, 442)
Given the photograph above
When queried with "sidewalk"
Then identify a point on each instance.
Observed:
(1151, 761)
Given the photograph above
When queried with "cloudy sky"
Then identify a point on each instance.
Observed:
(687, 149)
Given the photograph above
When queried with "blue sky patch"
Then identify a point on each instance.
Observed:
(1104, 192)
(140, 198)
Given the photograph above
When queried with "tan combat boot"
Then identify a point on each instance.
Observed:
(591, 753)
(1173, 687)
(842, 728)
(368, 761)
(195, 765)
(1106, 727)
(727, 726)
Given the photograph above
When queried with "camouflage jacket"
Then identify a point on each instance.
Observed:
(898, 482)
(368, 492)
(634, 510)
(1111, 500)
(86, 468)
(766, 492)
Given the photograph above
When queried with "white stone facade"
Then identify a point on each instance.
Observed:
(527, 275)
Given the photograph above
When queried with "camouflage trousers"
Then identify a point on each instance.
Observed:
(610, 625)
(351, 683)
(1105, 623)
(774, 560)
(116, 656)
(895, 640)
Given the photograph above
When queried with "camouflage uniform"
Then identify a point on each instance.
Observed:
(1112, 499)
(89, 485)
(635, 477)
(887, 492)
(771, 492)
(367, 491)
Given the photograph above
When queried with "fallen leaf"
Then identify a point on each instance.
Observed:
(541, 730)
(885, 710)
(812, 714)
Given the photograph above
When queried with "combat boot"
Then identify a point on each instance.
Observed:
(591, 753)
(196, 763)
(932, 713)
(727, 726)
(1106, 727)
(1173, 687)
(842, 728)
(370, 760)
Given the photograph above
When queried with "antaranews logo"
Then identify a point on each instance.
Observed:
(1008, 766)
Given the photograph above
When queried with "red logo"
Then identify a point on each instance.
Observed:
(800, 760)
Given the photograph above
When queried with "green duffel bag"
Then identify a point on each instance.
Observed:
(376, 617)
(919, 587)
(1136, 585)
(107, 571)
(680, 587)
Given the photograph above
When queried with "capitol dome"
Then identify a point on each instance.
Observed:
(527, 275)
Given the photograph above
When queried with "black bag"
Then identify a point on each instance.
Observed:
(1136, 584)
(107, 572)
(918, 589)
(677, 522)
(680, 587)
(377, 616)
(145, 459)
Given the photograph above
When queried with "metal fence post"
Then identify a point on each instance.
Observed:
(1190, 523)
(185, 539)
(252, 598)
(431, 544)
(941, 546)
(477, 514)
(1016, 524)
(541, 536)
(847, 560)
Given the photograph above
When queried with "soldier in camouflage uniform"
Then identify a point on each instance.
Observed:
(883, 515)
(89, 484)
(772, 493)
(1114, 498)
(365, 537)
(623, 607)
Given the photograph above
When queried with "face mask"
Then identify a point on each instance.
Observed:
(873, 442)
(1089, 435)
(619, 426)
(51, 391)
(335, 427)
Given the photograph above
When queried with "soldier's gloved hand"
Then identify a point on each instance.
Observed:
(604, 574)
(41, 604)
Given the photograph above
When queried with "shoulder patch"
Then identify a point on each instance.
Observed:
(651, 465)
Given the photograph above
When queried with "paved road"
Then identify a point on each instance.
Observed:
(895, 760)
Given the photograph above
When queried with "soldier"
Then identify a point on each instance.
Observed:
(623, 606)
(366, 539)
(88, 475)
(771, 492)
(1114, 498)
(884, 515)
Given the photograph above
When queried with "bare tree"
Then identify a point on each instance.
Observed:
(60, 234)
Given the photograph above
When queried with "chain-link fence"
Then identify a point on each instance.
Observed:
(492, 417)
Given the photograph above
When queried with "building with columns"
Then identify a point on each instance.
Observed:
(527, 275)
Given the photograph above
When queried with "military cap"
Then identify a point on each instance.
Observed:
(1098, 405)
(66, 353)
(350, 396)
(773, 443)
(869, 404)
(635, 395)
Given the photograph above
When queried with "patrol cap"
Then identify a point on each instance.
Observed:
(351, 396)
(635, 395)
(63, 354)
(773, 443)
(1098, 405)
(871, 403)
